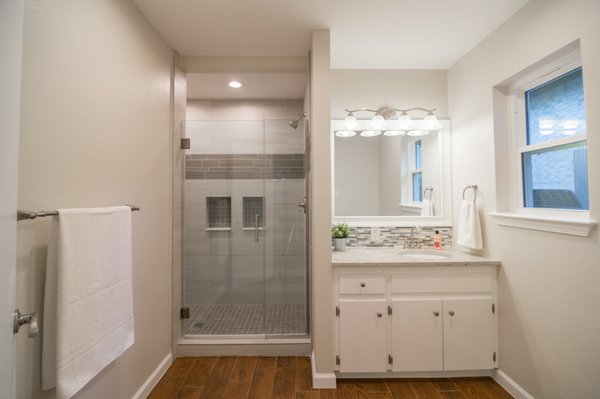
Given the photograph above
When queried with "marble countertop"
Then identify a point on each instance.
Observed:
(396, 256)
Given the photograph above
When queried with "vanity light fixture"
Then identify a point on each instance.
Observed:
(387, 121)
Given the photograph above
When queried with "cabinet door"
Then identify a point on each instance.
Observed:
(417, 335)
(363, 335)
(468, 334)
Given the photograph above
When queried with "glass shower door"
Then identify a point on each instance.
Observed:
(223, 270)
(244, 264)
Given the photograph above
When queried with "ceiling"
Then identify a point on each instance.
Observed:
(213, 86)
(416, 34)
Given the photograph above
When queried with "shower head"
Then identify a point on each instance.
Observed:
(295, 122)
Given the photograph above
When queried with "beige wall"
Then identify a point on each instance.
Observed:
(320, 203)
(95, 131)
(548, 287)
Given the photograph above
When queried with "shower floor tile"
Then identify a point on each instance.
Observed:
(288, 319)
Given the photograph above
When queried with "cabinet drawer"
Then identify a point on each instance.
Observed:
(362, 284)
(432, 284)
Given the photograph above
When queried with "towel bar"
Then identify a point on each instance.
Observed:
(472, 187)
(430, 189)
(22, 215)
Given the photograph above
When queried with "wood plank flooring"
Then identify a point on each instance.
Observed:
(290, 378)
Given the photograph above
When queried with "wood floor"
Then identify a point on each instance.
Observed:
(290, 378)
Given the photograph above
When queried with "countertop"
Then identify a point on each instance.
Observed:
(396, 256)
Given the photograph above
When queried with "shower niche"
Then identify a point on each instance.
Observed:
(244, 241)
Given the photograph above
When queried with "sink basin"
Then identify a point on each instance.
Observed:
(425, 255)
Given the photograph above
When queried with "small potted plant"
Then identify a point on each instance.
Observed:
(339, 233)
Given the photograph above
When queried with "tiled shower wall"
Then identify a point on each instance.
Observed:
(360, 236)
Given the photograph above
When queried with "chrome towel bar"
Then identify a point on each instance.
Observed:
(22, 215)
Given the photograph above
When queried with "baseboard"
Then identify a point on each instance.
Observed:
(156, 375)
(510, 385)
(321, 380)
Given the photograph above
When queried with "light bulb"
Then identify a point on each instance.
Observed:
(546, 124)
(570, 124)
(430, 122)
(370, 133)
(350, 122)
(404, 121)
(417, 132)
(377, 122)
(235, 84)
(345, 133)
(394, 133)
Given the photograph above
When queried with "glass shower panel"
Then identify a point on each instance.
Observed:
(285, 255)
(245, 270)
(223, 273)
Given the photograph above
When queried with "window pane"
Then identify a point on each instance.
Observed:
(556, 108)
(418, 154)
(556, 177)
(417, 187)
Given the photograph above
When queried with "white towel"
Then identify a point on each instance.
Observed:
(469, 227)
(427, 207)
(88, 312)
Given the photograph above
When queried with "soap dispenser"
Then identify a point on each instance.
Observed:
(437, 240)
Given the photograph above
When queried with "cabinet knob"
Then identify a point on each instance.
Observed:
(363, 285)
(436, 314)
(451, 313)
(379, 314)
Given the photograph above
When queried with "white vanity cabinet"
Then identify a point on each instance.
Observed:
(415, 318)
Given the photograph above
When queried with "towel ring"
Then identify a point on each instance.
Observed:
(472, 187)
(430, 189)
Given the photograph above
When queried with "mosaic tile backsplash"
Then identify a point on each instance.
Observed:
(244, 166)
(391, 236)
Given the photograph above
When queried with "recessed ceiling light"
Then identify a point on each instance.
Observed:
(235, 84)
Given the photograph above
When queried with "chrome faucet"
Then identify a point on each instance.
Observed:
(414, 240)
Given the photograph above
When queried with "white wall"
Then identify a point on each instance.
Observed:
(398, 88)
(95, 131)
(548, 287)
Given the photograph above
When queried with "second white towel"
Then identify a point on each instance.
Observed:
(427, 207)
(469, 226)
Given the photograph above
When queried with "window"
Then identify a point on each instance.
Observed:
(554, 157)
(541, 156)
(417, 174)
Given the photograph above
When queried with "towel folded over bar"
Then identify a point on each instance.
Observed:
(88, 311)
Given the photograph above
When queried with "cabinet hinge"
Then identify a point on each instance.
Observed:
(337, 310)
(185, 144)
(390, 359)
(493, 308)
(389, 310)
(337, 360)
(494, 357)
(184, 313)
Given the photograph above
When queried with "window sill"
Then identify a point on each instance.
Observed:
(575, 227)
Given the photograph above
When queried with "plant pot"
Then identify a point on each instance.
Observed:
(339, 244)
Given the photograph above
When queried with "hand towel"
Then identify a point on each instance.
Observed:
(469, 227)
(88, 313)
(427, 207)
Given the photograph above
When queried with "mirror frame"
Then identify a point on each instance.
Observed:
(444, 220)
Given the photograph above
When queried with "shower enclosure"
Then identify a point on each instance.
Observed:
(244, 264)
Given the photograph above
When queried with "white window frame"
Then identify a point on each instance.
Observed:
(567, 221)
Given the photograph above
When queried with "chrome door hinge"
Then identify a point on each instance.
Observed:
(389, 310)
(337, 310)
(184, 313)
(493, 308)
(337, 360)
(185, 144)
(390, 359)
(494, 357)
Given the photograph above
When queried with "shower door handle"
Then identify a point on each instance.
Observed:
(256, 237)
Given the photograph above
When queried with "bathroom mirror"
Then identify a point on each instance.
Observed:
(391, 179)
